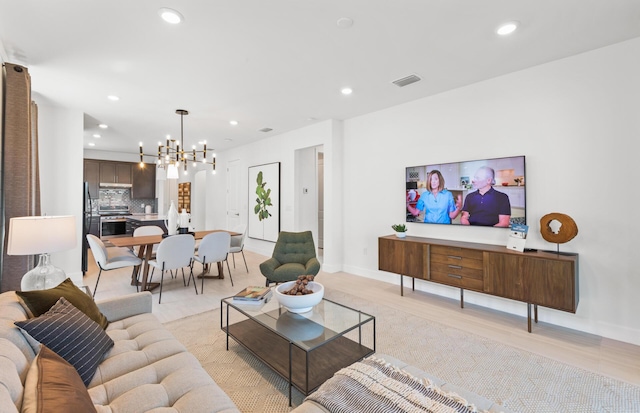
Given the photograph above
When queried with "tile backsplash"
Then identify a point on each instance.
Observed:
(122, 197)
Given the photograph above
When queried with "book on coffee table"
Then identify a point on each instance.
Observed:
(253, 303)
(252, 293)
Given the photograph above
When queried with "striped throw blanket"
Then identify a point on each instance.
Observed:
(374, 386)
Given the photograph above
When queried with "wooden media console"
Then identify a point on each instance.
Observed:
(544, 278)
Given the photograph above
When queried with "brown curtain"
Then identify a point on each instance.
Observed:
(20, 182)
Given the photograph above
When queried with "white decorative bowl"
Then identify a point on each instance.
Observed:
(300, 303)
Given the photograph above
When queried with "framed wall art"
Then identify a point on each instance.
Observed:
(264, 202)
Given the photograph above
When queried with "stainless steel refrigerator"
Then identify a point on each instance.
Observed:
(87, 220)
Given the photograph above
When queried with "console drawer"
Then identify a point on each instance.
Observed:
(469, 271)
(457, 280)
(456, 253)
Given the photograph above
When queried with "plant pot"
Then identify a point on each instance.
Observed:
(401, 234)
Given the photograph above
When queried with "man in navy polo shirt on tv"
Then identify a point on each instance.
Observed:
(486, 206)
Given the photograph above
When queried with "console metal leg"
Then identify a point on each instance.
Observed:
(413, 283)
(535, 312)
(461, 298)
(529, 317)
(401, 285)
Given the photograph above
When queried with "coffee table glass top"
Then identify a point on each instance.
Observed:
(326, 321)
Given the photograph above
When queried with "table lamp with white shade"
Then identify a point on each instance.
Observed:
(41, 235)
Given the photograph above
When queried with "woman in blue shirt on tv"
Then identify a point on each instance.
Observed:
(437, 202)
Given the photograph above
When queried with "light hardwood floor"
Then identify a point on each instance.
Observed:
(590, 352)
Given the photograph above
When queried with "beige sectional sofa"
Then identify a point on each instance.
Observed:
(147, 369)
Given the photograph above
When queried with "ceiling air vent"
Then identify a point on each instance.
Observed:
(406, 80)
(266, 130)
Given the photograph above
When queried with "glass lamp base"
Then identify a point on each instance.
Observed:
(43, 276)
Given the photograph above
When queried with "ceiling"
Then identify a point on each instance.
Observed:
(279, 64)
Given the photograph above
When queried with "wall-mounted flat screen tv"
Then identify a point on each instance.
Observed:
(484, 192)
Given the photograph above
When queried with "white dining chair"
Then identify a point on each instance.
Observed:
(214, 248)
(237, 245)
(110, 258)
(174, 252)
(148, 230)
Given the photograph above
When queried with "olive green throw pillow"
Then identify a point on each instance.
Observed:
(38, 302)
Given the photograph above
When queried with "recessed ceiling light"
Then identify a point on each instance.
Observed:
(96, 135)
(103, 126)
(92, 144)
(228, 139)
(170, 15)
(113, 98)
(346, 91)
(507, 28)
(233, 122)
(344, 22)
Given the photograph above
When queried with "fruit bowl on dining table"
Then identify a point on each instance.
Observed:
(300, 303)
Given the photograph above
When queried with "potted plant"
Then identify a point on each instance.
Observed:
(400, 229)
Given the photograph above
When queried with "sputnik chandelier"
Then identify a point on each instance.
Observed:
(172, 155)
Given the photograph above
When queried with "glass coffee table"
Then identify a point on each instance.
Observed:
(305, 349)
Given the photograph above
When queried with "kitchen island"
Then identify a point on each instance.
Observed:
(138, 220)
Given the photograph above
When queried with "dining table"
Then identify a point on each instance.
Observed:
(145, 252)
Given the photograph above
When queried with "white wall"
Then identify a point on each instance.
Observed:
(60, 134)
(577, 122)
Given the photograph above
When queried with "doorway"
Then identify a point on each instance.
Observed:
(309, 193)
(233, 194)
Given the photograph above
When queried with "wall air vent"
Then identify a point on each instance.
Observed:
(266, 130)
(406, 80)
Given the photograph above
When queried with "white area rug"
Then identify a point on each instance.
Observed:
(519, 380)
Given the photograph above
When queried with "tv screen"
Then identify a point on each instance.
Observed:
(484, 192)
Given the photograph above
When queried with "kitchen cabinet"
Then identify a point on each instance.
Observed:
(92, 176)
(115, 172)
(144, 182)
(542, 278)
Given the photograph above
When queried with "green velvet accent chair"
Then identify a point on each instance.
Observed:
(293, 255)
